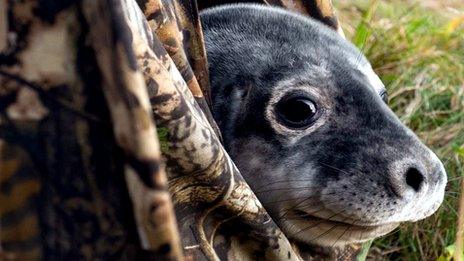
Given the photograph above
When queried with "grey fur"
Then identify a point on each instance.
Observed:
(341, 180)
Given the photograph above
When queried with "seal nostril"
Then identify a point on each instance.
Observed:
(414, 178)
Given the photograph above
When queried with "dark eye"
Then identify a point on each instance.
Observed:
(296, 112)
(384, 96)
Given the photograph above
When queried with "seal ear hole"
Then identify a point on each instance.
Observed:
(384, 96)
(296, 111)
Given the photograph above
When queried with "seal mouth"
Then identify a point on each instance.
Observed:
(353, 225)
(324, 231)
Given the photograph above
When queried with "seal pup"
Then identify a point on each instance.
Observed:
(305, 119)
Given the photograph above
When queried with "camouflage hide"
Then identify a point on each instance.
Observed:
(106, 132)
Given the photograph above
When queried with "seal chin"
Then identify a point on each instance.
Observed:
(323, 232)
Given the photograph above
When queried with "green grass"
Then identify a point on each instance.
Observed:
(417, 48)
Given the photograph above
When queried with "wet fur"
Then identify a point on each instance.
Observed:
(340, 180)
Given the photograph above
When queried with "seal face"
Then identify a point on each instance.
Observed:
(304, 118)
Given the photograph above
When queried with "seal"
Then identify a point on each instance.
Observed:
(305, 119)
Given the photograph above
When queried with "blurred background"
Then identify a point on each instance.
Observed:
(417, 48)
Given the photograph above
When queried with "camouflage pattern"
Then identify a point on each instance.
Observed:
(81, 173)
(135, 133)
(78, 140)
(176, 25)
(321, 10)
(208, 191)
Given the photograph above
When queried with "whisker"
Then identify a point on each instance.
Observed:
(293, 207)
(454, 179)
(322, 221)
(324, 233)
(309, 204)
(288, 188)
(314, 212)
(285, 180)
(332, 167)
(296, 198)
(452, 196)
(347, 229)
(360, 234)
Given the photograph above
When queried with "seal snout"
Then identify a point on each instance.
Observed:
(419, 174)
(416, 182)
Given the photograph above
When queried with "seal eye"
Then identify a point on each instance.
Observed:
(296, 112)
(384, 96)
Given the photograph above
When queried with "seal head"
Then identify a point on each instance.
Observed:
(304, 118)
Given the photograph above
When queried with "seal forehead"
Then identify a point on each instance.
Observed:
(271, 41)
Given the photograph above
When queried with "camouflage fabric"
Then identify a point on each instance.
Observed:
(85, 86)
(78, 138)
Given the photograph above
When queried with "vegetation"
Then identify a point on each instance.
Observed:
(417, 48)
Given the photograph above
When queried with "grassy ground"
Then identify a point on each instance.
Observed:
(418, 50)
